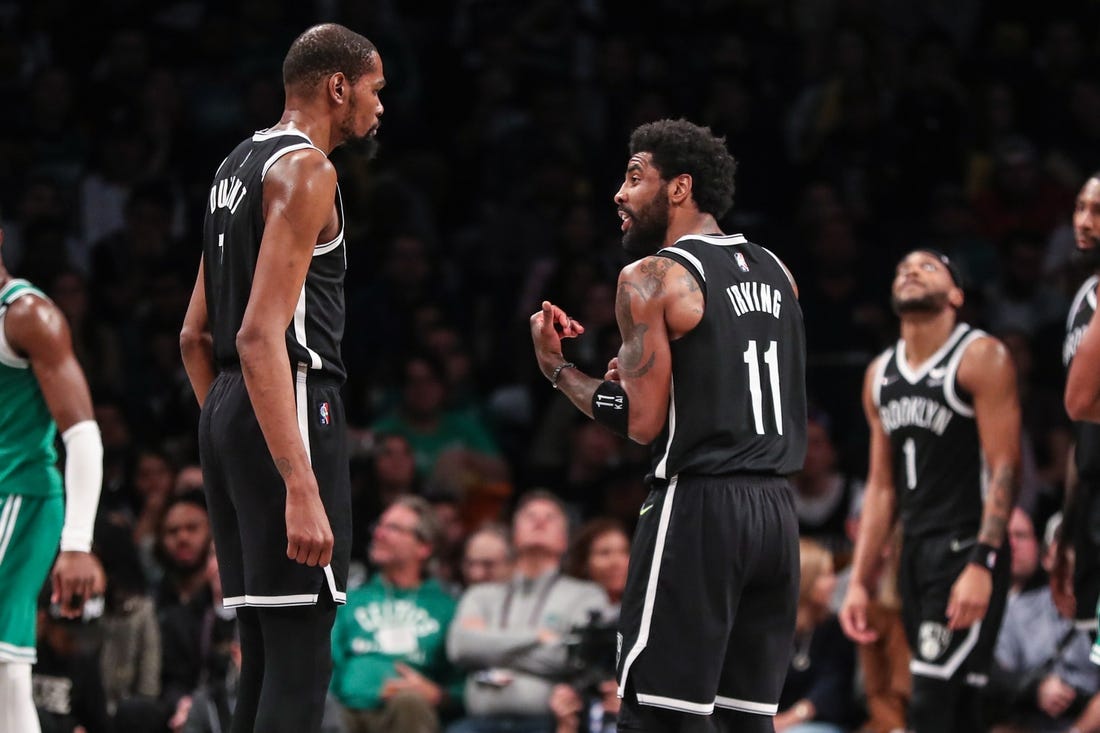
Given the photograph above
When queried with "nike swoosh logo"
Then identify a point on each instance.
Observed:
(957, 545)
(645, 509)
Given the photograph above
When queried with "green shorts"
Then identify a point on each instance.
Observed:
(30, 529)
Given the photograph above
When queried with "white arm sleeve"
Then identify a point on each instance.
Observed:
(83, 481)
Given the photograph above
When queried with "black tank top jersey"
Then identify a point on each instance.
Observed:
(738, 396)
(938, 469)
(232, 230)
(1086, 434)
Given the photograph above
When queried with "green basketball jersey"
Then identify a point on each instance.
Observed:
(28, 460)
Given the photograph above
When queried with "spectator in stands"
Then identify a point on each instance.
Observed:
(487, 556)
(509, 635)
(817, 696)
(390, 668)
(1042, 677)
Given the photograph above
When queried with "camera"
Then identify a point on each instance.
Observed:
(591, 652)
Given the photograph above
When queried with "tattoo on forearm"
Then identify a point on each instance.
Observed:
(998, 506)
(632, 361)
(284, 467)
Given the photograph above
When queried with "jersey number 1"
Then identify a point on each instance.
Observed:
(771, 358)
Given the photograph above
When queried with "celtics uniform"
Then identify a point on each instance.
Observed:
(31, 497)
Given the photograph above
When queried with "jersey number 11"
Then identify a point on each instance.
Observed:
(771, 359)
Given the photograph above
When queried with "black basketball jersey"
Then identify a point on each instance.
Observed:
(938, 468)
(232, 230)
(738, 395)
(1086, 434)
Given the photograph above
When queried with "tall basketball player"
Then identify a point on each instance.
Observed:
(945, 442)
(261, 344)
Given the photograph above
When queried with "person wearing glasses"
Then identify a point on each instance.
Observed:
(390, 669)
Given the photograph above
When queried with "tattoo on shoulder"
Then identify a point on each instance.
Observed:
(284, 467)
(653, 271)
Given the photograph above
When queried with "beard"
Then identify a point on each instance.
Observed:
(1087, 258)
(648, 228)
(366, 144)
(927, 303)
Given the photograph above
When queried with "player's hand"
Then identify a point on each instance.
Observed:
(1054, 696)
(1061, 583)
(853, 615)
(548, 327)
(309, 537)
(566, 705)
(612, 374)
(411, 681)
(76, 577)
(969, 597)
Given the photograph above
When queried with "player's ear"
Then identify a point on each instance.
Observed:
(956, 297)
(338, 87)
(679, 188)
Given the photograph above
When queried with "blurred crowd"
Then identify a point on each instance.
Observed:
(862, 129)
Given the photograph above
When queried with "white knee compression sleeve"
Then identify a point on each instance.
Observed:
(17, 711)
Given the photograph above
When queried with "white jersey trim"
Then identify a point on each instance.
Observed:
(879, 375)
(689, 257)
(300, 330)
(322, 249)
(9, 653)
(1087, 291)
(651, 585)
(746, 706)
(949, 391)
(661, 471)
(283, 151)
(915, 375)
(722, 240)
(672, 703)
(268, 134)
(783, 267)
(8, 356)
(8, 519)
(948, 668)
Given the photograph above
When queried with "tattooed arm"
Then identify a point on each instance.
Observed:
(987, 373)
(646, 289)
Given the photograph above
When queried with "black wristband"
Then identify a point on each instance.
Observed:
(984, 556)
(611, 407)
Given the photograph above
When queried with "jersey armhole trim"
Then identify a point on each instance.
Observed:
(283, 151)
(880, 373)
(949, 391)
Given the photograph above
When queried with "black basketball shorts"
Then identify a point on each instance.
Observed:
(246, 495)
(1084, 534)
(709, 608)
(929, 566)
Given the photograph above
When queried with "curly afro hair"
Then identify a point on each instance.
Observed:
(679, 147)
(326, 49)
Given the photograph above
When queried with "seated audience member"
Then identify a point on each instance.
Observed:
(437, 432)
(68, 688)
(390, 668)
(885, 660)
(130, 655)
(184, 598)
(487, 556)
(823, 495)
(509, 635)
(817, 696)
(600, 553)
(1042, 679)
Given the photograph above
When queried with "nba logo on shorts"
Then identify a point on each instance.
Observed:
(740, 259)
(325, 414)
